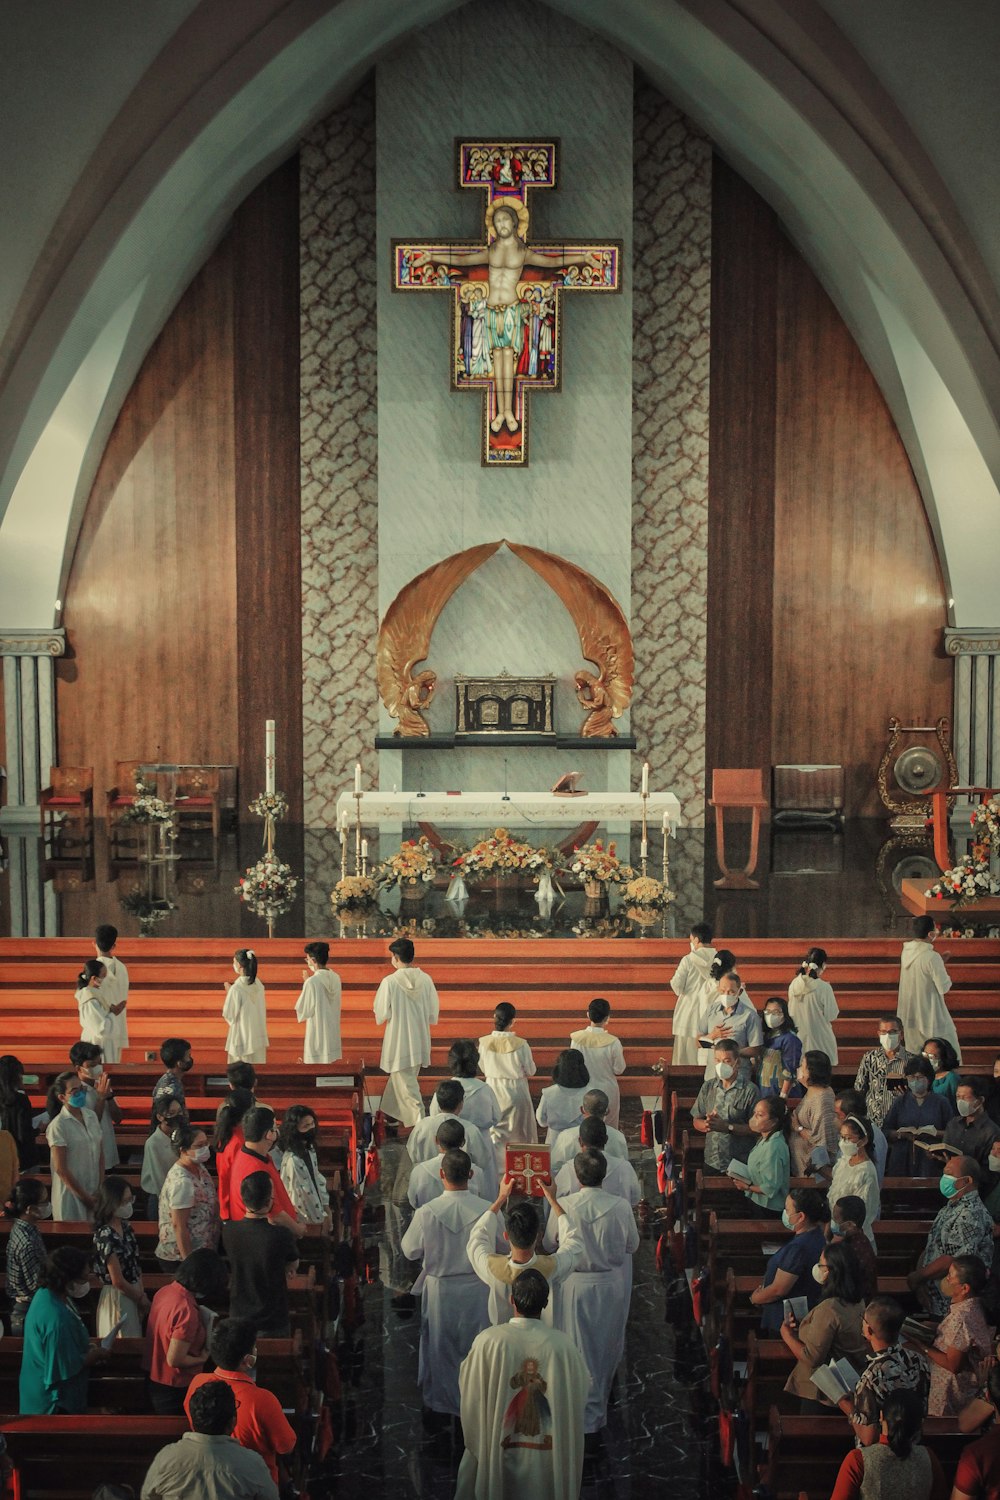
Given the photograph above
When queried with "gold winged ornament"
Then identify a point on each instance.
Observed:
(405, 635)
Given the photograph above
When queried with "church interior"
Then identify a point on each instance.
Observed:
(636, 581)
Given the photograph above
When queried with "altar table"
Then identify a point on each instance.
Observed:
(543, 809)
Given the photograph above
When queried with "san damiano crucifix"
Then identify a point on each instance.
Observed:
(505, 316)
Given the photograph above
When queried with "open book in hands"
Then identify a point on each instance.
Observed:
(937, 1148)
(112, 1334)
(739, 1171)
(836, 1380)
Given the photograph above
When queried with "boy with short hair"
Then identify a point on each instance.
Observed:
(604, 1055)
(507, 1065)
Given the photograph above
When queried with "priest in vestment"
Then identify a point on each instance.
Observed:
(406, 1004)
(523, 1388)
(499, 1272)
(923, 983)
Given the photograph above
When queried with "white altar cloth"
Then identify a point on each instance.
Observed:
(544, 809)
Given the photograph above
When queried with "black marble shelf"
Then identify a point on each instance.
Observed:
(502, 742)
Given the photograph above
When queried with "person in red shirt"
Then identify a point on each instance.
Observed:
(978, 1474)
(175, 1333)
(228, 1140)
(255, 1156)
(898, 1463)
(261, 1425)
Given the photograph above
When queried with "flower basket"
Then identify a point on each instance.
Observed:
(643, 916)
(413, 864)
(594, 889)
(647, 892)
(147, 807)
(500, 858)
(598, 865)
(268, 888)
(353, 893)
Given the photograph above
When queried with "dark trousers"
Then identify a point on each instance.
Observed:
(166, 1400)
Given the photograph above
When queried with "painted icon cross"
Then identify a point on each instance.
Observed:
(505, 293)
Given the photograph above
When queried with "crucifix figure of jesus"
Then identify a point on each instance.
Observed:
(505, 292)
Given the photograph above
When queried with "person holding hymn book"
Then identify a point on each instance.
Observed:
(962, 1227)
(722, 1110)
(963, 1340)
(507, 1062)
(881, 1064)
(595, 1104)
(245, 1011)
(813, 1007)
(421, 1143)
(897, 1464)
(480, 1107)
(814, 1134)
(730, 1017)
(559, 1107)
(115, 991)
(319, 1006)
(892, 1367)
(916, 1114)
(972, 1132)
(788, 1273)
(523, 1229)
(766, 1171)
(695, 986)
(406, 1004)
(923, 984)
(603, 1053)
(425, 1177)
(830, 1330)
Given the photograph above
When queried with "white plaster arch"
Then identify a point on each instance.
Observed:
(783, 93)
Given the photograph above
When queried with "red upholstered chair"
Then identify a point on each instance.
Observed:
(739, 788)
(70, 794)
(121, 795)
(197, 797)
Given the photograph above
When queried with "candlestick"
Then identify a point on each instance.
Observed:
(666, 822)
(666, 857)
(364, 856)
(269, 757)
(357, 780)
(357, 831)
(645, 778)
(642, 851)
(343, 820)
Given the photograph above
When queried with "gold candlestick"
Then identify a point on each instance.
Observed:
(343, 853)
(666, 857)
(643, 846)
(357, 834)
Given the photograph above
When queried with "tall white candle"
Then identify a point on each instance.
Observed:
(343, 819)
(645, 777)
(269, 757)
(364, 848)
(642, 850)
(357, 779)
(343, 835)
(666, 823)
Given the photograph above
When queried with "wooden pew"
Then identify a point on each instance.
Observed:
(740, 1317)
(736, 1243)
(805, 1453)
(903, 1198)
(66, 1458)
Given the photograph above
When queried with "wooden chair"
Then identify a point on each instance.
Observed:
(70, 795)
(742, 788)
(197, 795)
(120, 796)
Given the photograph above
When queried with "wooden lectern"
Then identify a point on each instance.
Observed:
(743, 788)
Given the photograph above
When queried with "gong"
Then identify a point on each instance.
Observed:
(918, 770)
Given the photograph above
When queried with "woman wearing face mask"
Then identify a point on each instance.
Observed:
(917, 1113)
(88, 1060)
(854, 1174)
(768, 1162)
(300, 1167)
(57, 1355)
(158, 1154)
(188, 1208)
(17, 1113)
(813, 1005)
(29, 1203)
(963, 1340)
(74, 1137)
(781, 1052)
(942, 1058)
(814, 1124)
(787, 1273)
(175, 1348)
(116, 1262)
(830, 1330)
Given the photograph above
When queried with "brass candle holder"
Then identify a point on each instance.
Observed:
(357, 833)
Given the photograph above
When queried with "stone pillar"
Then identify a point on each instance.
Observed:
(30, 718)
(976, 732)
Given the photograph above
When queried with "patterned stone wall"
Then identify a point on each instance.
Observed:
(339, 474)
(671, 284)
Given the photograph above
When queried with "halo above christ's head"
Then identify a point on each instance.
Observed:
(515, 207)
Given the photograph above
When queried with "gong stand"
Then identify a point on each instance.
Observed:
(917, 772)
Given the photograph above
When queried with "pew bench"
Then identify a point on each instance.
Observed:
(805, 1453)
(66, 1458)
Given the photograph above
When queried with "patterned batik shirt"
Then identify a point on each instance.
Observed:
(873, 1070)
(894, 1369)
(962, 1227)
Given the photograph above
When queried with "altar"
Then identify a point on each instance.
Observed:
(391, 811)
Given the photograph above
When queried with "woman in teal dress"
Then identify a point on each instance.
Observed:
(944, 1060)
(58, 1353)
(768, 1162)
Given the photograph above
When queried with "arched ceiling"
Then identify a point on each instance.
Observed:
(139, 130)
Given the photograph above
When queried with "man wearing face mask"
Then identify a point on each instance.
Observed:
(260, 1134)
(893, 1367)
(972, 1132)
(724, 1105)
(175, 1055)
(261, 1425)
(885, 1061)
(962, 1227)
(917, 1114)
(731, 1018)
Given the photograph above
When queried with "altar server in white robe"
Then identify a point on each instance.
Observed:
(407, 1006)
(425, 1181)
(454, 1302)
(620, 1178)
(694, 987)
(523, 1388)
(115, 985)
(319, 1006)
(95, 1017)
(480, 1107)
(567, 1144)
(603, 1054)
(507, 1063)
(923, 984)
(593, 1303)
(813, 1006)
(245, 1009)
(498, 1272)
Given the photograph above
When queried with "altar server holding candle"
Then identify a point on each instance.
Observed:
(407, 1006)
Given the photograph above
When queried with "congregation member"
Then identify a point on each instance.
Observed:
(175, 1055)
(188, 1209)
(523, 1396)
(559, 1107)
(854, 1174)
(603, 1053)
(77, 1154)
(789, 1270)
(480, 1107)
(992, 1096)
(978, 1474)
(261, 1256)
(815, 1135)
(522, 1232)
(303, 1181)
(593, 1304)
(115, 988)
(780, 1053)
(962, 1227)
(175, 1349)
(694, 986)
(454, 1302)
(963, 1341)
(421, 1142)
(116, 1262)
(897, 1463)
(507, 1063)
(406, 1004)
(28, 1206)
(17, 1116)
(923, 984)
(245, 1011)
(318, 1006)
(918, 1112)
(58, 1354)
(944, 1060)
(620, 1178)
(87, 1059)
(425, 1177)
(768, 1162)
(261, 1134)
(9, 1166)
(972, 1132)
(723, 1108)
(93, 1010)
(878, 1065)
(852, 1102)
(893, 1366)
(847, 1225)
(595, 1104)
(208, 1463)
(158, 1154)
(813, 1006)
(830, 1330)
(730, 1017)
(261, 1424)
(229, 1139)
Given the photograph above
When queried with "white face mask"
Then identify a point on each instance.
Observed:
(966, 1107)
(848, 1148)
(44, 1210)
(95, 1069)
(726, 1070)
(889, 1040)
(125, 1210)
(200, 1153)
(729, 1001)
(820, 1273)
(78, 1289)
(774, 1019)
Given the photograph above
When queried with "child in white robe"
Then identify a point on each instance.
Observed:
(319, 1006)
(923, 983)
(95, 1017)
(561, 1104)
(603, 1055)
(480, 1107)
(691, 983)
(115, 987)
(813, 1007)
(245, 1011)
(421, 1143)
(507, 1063)
(406, 1004)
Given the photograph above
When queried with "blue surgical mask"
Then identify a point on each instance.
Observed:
(837, 1229)
(78, 1098)
(919, 1086)
(786, 1220)
(948, 1184)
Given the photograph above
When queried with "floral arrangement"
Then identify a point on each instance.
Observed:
(147, 807)
(599, 861)
(353, 892)
(647, 892)
(271, 805)
(413, 860)
(147, 911)
(968, 879)
(502, 855)
(986, 822)
(268, 887)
